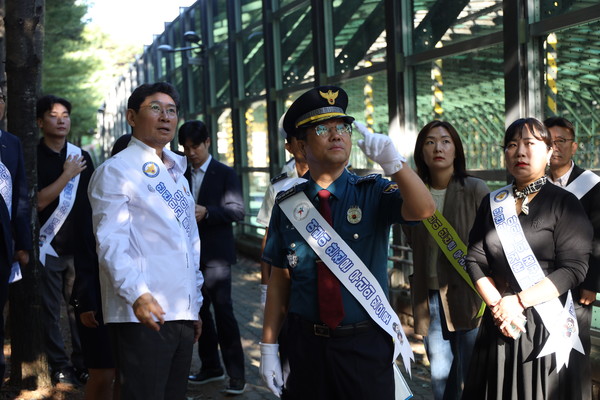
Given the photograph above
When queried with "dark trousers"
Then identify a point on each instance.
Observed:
(57, 285)
(355, 367)
(153, 365)
(223, 331)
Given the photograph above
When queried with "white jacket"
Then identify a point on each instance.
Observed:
(146, 235)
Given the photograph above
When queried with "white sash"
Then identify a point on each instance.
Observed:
(348, 268)
(6, 193)
(583, 184)
(60, 214)
(559, 321)
(6, 187)
(178, 199)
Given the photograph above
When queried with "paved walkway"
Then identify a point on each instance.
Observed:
(246, 297)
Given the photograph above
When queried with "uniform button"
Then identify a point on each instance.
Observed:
(355, 236)
(293, 245)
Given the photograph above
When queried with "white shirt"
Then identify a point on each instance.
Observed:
(147, 238)
(264, 214)
(562, 181)
(198, 176)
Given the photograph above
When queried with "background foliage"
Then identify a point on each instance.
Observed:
(80, 63)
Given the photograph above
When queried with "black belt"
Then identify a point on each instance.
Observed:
(341, 331)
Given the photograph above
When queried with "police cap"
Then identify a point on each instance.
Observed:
(317, 105)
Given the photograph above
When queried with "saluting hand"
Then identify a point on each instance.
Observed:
(147, 309)
(380, 148)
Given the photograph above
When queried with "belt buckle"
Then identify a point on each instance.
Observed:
(321, 330)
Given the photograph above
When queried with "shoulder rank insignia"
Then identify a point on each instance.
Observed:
(290, 192)
(367, 178)
(354, 215)
(279, 177)
(330, 96)
(391, 187)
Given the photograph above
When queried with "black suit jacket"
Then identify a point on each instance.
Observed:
(19, 228)
(591, 204)
(221, 194)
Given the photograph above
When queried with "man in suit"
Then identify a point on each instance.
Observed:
(586, 186)
(219, 202)
(15, 215)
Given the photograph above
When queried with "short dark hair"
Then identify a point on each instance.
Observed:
(460, 168)
(45, 103)
(561, 122)
(148, 89)
(193, 130)
(532, 125)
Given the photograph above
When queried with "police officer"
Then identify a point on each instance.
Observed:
(345, 356)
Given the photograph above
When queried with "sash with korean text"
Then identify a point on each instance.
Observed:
(348, 268)
(60, 214)
(176, 197)
(583, 184)
(452, 246)
(6, 190)
(6, 187)
(559, 321)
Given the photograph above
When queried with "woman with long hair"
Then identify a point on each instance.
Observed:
(445, 305)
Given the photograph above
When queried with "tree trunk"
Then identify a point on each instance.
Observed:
(24, 50)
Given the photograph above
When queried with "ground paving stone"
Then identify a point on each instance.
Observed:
(246, 303)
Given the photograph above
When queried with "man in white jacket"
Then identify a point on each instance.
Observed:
(149, 251)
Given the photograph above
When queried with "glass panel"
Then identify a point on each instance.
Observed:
(474, 106)
(359, 34)
(367, 103)
(573, 85)
(437, 22)
(220, 54)
(283, 3)
(225, 138)
(198, 88)
(552, 8)
(257, 138)
(251, 12)
(296, 47)
(254, 63)
(257, 185)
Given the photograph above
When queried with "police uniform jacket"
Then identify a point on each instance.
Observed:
(147, 238)
(460, 303)
(363, 208)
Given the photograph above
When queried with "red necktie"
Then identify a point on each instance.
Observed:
(331, 308)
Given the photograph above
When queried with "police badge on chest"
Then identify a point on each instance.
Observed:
(292, 258)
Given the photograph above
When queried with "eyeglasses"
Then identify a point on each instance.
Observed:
(157, 109)
(341, 129)
(561, 141)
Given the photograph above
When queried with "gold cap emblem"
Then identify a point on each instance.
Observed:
(330, 96)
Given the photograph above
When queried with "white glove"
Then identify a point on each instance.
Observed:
(380, 149)
(270, 367)
(263, 296)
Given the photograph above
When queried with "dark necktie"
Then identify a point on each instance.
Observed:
(331, 308)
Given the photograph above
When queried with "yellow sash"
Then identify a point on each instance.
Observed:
(452, 246)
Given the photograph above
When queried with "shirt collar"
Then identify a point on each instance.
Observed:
(179, 161)
(203, 167)
(49, 151)
(562, 180)
(337, 188)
